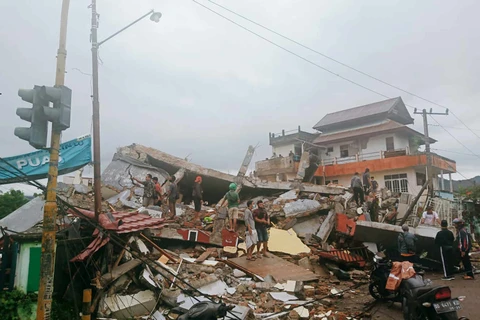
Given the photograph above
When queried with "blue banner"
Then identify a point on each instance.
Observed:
(74, 154)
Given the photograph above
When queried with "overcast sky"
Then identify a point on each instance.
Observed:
(195, 84)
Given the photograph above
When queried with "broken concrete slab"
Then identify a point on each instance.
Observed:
(304, 226)
(327, 227)
(295, 208)
(217, 288)
(289, 195)
(280, 269)
(387, 234)
(128, 306)
(283, 296)
(286, 241)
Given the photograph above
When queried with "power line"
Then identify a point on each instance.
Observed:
(323, 68)
(291, 52)
(456, 152)
(436, 125)
(344, 64)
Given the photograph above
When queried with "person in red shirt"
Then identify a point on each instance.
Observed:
(158, 192)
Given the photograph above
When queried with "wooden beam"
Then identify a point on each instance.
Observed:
(118, 272)
(164, 252)
(204, 256)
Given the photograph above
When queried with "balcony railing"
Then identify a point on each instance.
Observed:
(366, 156)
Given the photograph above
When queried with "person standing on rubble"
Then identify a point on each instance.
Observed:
(172, 195)
(233, 200)
(430, 217)
(197, 196)
(464, 246)
(357, 187)
(262, 222)
(251, 233)
(374, 185)
(444, 240)
(407, 245)
(367, 183)
(158, 192)
(148, 190)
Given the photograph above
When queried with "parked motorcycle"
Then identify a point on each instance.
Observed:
(420, 299)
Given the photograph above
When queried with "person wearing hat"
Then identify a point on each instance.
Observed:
(464, 246)
(444, 240)
(233, 201)
(197, 196)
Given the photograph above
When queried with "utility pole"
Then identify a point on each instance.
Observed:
(428, 153)
(47, 264)
(97, 182)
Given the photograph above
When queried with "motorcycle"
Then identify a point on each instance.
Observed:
(378, 280)
(205, 310)
(419, 298)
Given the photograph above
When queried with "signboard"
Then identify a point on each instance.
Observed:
(74, 154)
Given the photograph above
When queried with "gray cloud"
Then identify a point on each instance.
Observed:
(197, 84)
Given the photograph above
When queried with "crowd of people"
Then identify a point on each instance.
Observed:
(452, 249)
(153, 194)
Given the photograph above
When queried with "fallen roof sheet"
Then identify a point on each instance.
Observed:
(24, 217)
(280, 269)
(131, 221)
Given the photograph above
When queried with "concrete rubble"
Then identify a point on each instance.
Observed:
(316, 264)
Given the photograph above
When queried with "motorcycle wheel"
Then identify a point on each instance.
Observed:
(374, 289)
(411, 314)
(448, 316)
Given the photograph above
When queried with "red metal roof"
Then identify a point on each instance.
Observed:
(125, 222)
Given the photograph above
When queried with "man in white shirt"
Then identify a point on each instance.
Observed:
(430, 217)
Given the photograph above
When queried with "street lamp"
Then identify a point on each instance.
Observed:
(97, 182)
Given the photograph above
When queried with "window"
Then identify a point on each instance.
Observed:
(335, 182)
(421, 178)
(329, 149)
(344, 151)
(390, 144)
(327, 182)
(397, 183)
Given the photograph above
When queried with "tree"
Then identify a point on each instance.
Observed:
(472, 192)
(11, 201)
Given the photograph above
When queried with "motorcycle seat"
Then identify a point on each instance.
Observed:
(414, 282)
(417, 292)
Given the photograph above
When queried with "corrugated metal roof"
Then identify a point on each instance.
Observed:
(131, 221)
(24, 217)
(359, 112)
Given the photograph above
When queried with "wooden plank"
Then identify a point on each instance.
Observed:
(164, 252)
(281, 270)
(118, 272)
(204, 256)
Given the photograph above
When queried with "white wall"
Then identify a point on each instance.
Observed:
(374, 144)
(379, 176)
(283, 150)
(23, 263)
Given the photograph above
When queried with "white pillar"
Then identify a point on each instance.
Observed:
(451, 182)
(443, 181)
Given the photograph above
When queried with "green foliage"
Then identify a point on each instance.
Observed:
(13, 301)
(472, 192)
(415, 143)
(11, 201)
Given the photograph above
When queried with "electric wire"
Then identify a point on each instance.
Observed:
(121, 243)
(332, 72)
(346, 65)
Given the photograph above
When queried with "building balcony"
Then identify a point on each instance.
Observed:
(291, 136)
(270, 168)
(383, 161)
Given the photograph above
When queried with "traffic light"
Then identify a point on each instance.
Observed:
(36, 135)
(41, 113)
(61, 97)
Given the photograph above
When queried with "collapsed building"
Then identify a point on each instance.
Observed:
(141, 264)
